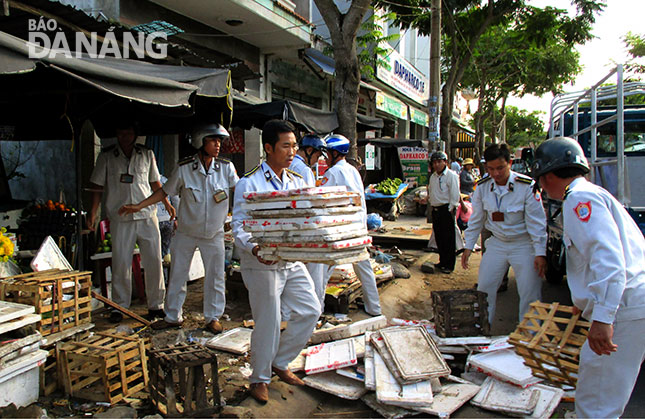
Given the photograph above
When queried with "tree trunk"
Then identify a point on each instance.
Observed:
(343, 29)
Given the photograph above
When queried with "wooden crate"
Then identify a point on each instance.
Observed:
(104, 367)
(62, 298)
(179, 383)
(549, 339)
(50, 372)
(460, 313)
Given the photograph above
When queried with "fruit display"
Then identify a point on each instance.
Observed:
(105, 245)
(389, 186)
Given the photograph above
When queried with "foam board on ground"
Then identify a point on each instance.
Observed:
(330, 356)
(451, 398)
(497, 343)
(368, 362)
(386, 410)
(414, 352)
(503, 397)
(335, 384)
(467, 340)
(389, 391)
(237, 341)
(15, 366)
(298, 364)
(548, 401)
(504, 365)
(349, 330)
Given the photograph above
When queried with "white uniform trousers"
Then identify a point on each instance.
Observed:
(270, 289)
(365, 274)
(182, 249)
(519, 254)
(124, 236)
(605, 383)
(318, 273)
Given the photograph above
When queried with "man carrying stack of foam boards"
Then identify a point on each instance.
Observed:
(279, 223)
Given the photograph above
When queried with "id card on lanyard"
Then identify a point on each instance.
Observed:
(269, 177)
(498, 216)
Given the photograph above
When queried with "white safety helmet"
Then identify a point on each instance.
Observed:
(207, 130)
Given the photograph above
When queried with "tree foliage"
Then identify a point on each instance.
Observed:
(469, 27)
(635, 44)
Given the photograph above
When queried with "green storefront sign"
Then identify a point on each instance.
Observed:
(414, 164)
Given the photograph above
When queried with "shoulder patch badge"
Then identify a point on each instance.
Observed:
(323, 181)
(537, 196)
(583, 211)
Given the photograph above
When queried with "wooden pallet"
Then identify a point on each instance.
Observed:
(104, 367)
(549, 339)
(460, 313)
(62, 298)
(181, 367)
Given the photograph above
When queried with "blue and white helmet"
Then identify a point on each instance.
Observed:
(311, 140)
(337, 142)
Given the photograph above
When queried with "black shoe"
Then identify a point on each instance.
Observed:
(431, 250)
(116, 317)
(154, 314)
(445, 270)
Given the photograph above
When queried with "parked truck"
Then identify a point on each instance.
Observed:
(612, 135)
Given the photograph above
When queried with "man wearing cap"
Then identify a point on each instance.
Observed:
(205, 182)
(605, 253)
(467, 177)
(127, 172)
(443, 198)
(505, 204)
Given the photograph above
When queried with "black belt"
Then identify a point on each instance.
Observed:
(439, 207)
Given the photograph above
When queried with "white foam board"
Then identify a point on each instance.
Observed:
(548, 401)
(49, 256)
(346, 331)
(237, 341)
(386, 410)
(335, 384)
(330, 356)
(504, 365)
(451, 398)
(507, 398)
(389, 391)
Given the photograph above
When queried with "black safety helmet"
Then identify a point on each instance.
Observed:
(558, 153)
(438, 155)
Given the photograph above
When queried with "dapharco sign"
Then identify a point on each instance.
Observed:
(47, 40)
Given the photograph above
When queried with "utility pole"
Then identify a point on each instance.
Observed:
(435, 84)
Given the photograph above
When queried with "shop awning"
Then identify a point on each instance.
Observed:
(42, 95)
(306, 118)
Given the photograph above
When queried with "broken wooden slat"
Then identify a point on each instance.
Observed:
(121, 309)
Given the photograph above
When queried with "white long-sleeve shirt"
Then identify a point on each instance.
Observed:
(522, 209)
(605, 255)
(444, 189)
(299, 166)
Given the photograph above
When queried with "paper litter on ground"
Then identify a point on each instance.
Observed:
(237, 341)
(335, 384)
(504, 365)
(507, 398)
(330, 356)
(389, 391)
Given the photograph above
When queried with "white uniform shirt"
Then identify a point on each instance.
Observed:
(198, 214)
(605, 255)
(444, 189)
(260, 179)
(299, 166)
(523, 212)
(344, 174)
(142, 166)
(455, 167)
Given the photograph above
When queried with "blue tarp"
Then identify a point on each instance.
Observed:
(377, 195)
